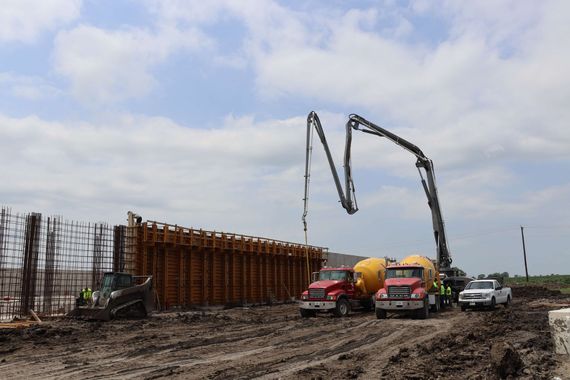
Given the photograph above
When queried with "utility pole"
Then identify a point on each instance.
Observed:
(524, 253)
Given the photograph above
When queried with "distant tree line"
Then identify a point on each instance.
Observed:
(496, 274)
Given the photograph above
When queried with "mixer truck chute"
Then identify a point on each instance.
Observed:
(347, 195)
(338, 290)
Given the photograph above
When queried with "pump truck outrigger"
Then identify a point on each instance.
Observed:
(347, 196)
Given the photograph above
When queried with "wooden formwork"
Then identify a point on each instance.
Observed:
(200, 268)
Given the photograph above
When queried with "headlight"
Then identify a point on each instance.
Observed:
(415, 295)
(460, 296)
(488, 295)
(384, 295)
(331, 297)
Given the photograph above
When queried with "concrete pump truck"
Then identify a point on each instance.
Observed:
(414, 293)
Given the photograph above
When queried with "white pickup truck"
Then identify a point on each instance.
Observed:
(482, 293)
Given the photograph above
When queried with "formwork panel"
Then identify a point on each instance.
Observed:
(200, 268)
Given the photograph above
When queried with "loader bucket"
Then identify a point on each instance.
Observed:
(90, 313)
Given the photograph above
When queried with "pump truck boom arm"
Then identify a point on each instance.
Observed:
(346, 197)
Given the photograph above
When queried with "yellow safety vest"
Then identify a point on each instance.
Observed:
(442, 290)
(448, 290)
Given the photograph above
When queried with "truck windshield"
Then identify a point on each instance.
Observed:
(480, 285)
(337, 275)
(404, 273)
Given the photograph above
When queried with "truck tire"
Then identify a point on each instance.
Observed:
(368, 304)
(380, 313)
(342, 308)
(305, 313)
(423, 313)
(493, 303)
(508, 303)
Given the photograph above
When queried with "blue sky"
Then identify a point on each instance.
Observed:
(194, 112)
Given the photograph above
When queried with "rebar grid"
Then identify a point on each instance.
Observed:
(45, 262)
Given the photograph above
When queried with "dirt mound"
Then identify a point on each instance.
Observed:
(506, 360)
(507, 343)
(535, 291)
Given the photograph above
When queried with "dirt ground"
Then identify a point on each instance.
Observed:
(275, 342)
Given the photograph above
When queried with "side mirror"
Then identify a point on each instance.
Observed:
(498, 288)
(314, 276)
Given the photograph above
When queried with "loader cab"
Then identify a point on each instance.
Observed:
(115, 281)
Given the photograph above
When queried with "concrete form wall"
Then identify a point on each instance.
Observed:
(201, 268)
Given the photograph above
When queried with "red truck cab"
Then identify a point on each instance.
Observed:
(406, 290)
(332, 289)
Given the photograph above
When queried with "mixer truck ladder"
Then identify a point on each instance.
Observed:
(347, 195)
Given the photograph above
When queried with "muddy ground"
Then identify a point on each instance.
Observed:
(274, 342)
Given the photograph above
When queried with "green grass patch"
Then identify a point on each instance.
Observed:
(558, 280)
(565, 290)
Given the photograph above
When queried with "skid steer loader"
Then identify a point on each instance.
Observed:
(118, 297)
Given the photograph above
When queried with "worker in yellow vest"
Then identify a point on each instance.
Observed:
(448, 295)
(442, 295)
(87, 295)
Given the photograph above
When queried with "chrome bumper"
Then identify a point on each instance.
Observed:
(475, 303)
(400, 305)
(318, 305)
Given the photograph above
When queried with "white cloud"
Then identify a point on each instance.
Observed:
(24, 20)
(27, 87)
(106, 67)
(152, 165)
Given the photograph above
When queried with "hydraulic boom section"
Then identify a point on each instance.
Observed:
(347, 196)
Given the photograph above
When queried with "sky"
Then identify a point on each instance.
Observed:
(194, 113)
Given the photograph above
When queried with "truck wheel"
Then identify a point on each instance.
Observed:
(508, 303)
(423, 313)
(305, 313)
(368, 304)
(342, 308)
(380, 313)
(493, 303)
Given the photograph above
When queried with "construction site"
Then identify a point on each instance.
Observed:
(220, 305)
(196, 334)
(148, 300)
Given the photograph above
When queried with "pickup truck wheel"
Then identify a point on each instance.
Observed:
(493, 303)
(342, 308)
(508, 303)
(380, 314)
(305, 313)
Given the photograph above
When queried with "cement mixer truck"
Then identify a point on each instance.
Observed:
(409, 288)
(340, 289)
